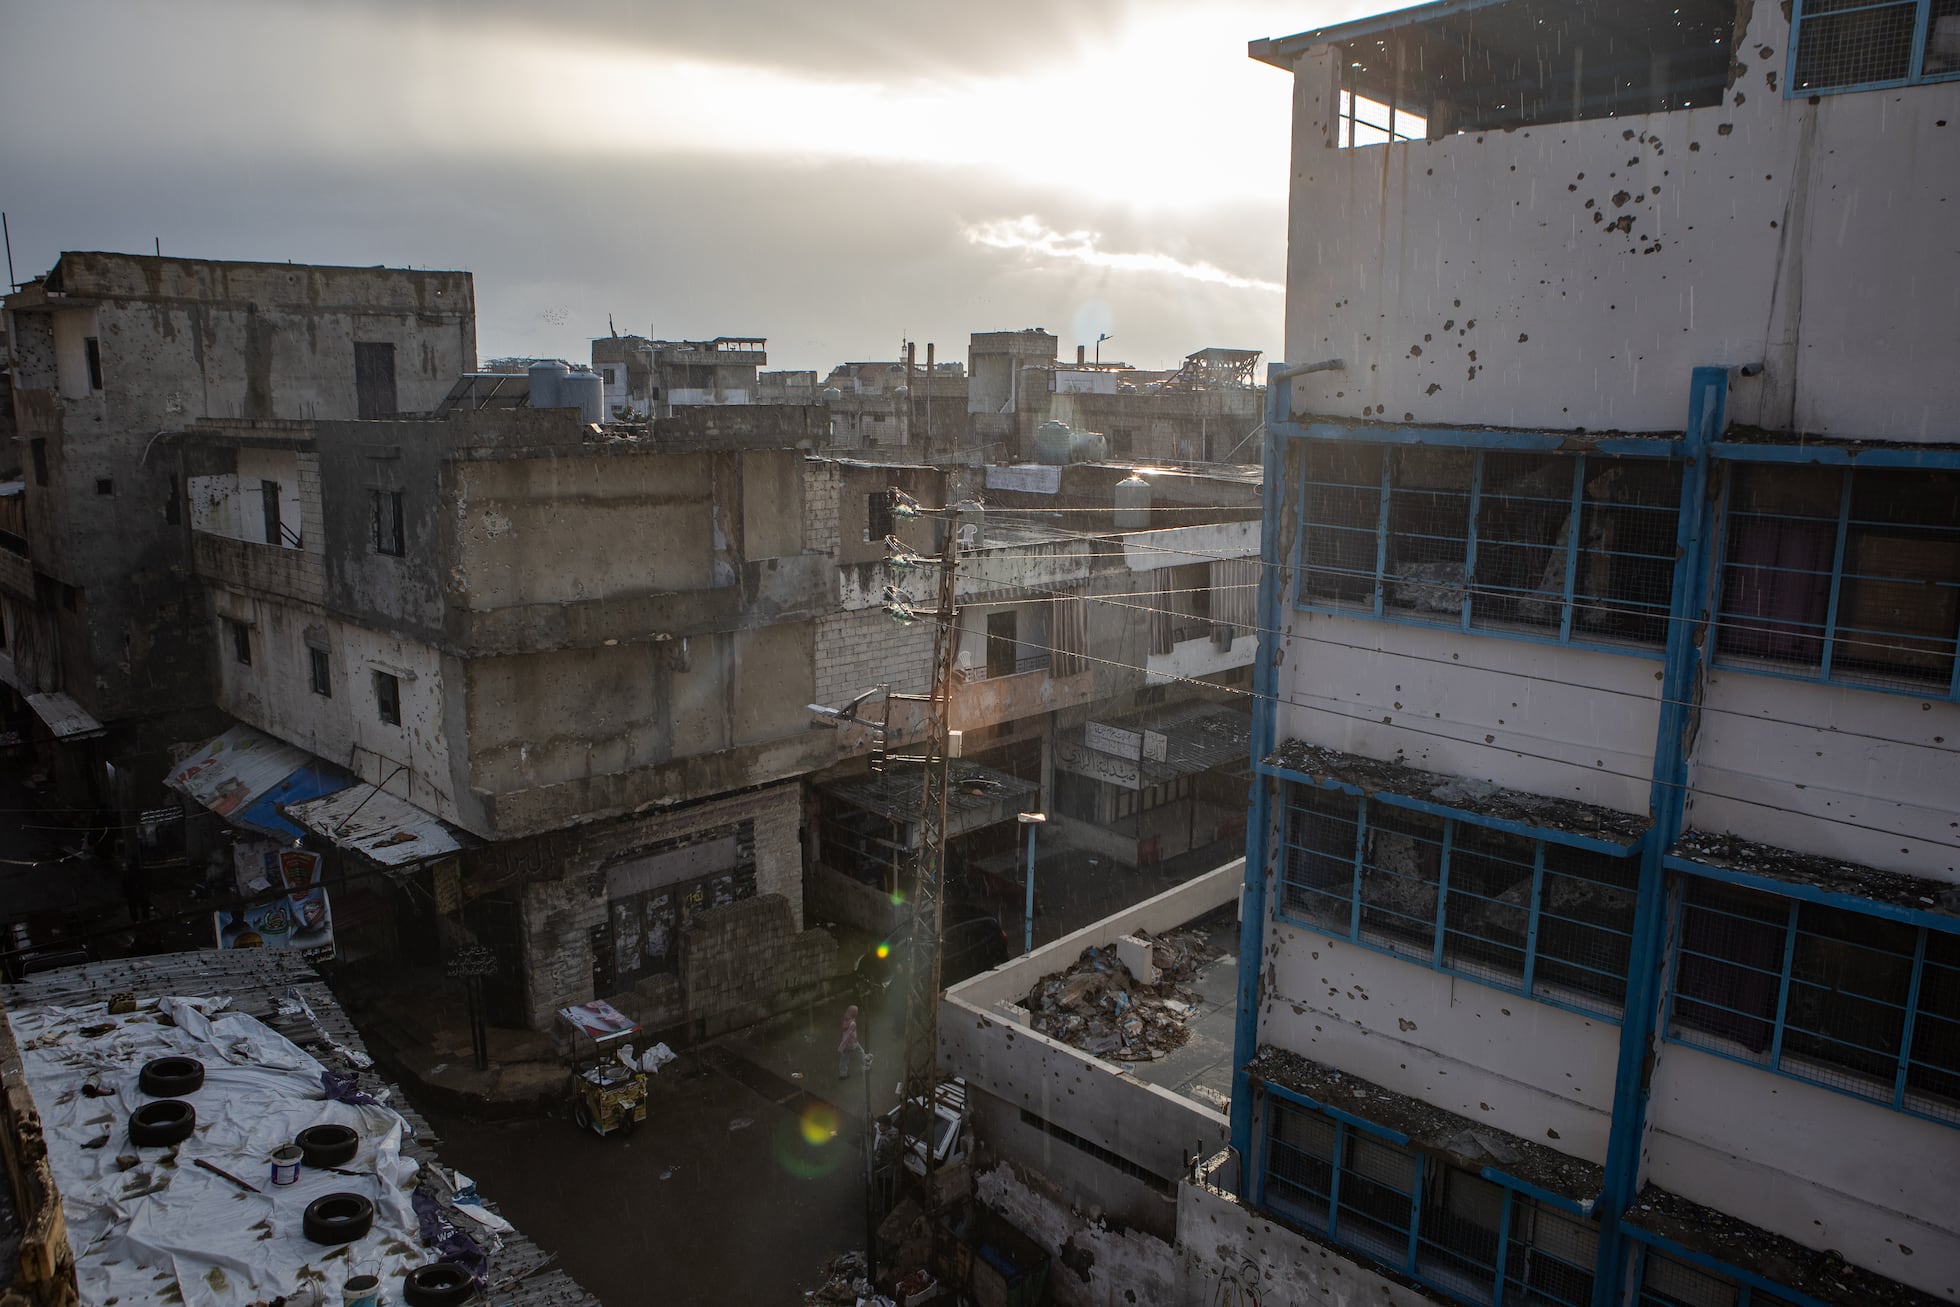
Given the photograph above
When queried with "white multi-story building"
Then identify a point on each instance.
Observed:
(1602, 934)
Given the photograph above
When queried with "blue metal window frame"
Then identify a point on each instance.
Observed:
(1346, 1126)
(1915, 64)
(1434, 955)
(1746, 1283)
(1479, 444)
(1772, 1060)
(1825, 674)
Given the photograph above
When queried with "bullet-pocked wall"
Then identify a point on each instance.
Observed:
(1570, 274)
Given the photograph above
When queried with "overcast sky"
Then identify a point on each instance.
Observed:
(836, 175)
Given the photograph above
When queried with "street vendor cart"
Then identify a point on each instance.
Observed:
(609, 1088)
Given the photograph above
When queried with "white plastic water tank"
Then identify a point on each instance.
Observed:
(1133, 504)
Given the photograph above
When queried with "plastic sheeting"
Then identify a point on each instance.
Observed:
(160, 1229)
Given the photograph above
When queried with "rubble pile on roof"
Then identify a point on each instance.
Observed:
(1099, 1007)
(844, 1281)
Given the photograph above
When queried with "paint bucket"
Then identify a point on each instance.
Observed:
(361, 1291)
(285, 1164)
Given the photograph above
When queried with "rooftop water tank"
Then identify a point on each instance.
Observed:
(1133, 504)
(584, 390)
(547, 383)
(832, 394)
(1088, 447)
(1051, 443)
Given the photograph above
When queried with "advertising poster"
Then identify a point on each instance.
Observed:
(303, 921)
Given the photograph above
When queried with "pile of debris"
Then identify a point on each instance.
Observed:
(844, 1282)
(1098, 1006)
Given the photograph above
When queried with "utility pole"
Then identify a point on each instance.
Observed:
(919, 1101)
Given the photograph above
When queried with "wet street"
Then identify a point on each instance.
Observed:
(727, 1193)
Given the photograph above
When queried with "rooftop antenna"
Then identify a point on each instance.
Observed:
(159, 244)
(11, 283)
(1099, 340)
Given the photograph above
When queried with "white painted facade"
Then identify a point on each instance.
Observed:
(1480, 279)
(1506, 289)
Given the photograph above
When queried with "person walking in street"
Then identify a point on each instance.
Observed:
(848, 1049)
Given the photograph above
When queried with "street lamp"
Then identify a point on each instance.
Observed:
(1030, 820)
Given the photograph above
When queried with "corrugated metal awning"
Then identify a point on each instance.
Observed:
(377, 825)
(66, 718)
(229, 772)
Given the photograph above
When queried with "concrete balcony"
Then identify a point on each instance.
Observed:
(1200, 656)
(265, 569)
(991, 700)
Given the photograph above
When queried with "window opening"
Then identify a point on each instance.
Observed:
(1003, 648)
(1518, 913)
(388, 698)
(320, 670)
(877, 515)
(374, 380)
(241, 642)
(269, 509)
(92, 353)
(1421, 1216)
(1567, 547)
(37, 448)
(105, 486)
(390, 536)
(1848, 45)
(1857, 1003)
(1842, 575)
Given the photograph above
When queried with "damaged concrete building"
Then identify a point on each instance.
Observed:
(1206, 410)
(589, 750)
(1603, 891)
(108, 352)
(654, 378)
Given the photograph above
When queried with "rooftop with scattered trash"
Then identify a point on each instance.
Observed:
(1099, 1006)
(173, 1093)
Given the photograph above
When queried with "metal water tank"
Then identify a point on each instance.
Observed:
(1088, 447)
(832, 394)
(584, 390)
(1051, 443)
(1133, 504)
(548, 382)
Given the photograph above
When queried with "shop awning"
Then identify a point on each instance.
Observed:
(65, 718)
(377, 825)
(230, 773)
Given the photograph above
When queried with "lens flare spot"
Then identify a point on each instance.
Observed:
(898, 898)
(819, 1125)
(884, 950)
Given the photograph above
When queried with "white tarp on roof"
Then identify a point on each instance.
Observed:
(163, 1230)
(67, 719)
(376, 824)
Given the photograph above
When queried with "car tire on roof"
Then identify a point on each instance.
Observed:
(162, 1123)
(171, 1077)
(439, 1284)
(337, 1218)
(327, 1145)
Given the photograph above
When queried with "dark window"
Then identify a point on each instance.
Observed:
(321, 670)
(877, 515)
(389, 534)
(172, 505)
(105, 486)
(1850, 44)
(38, 448)
(1859, 1003)
(1841, 575)
(241, 642)
(374, 380)
(269, 506)
(388, 698)
(1580, 548)
(92, 351)
(1002, 645)
(71, 598)
(1520, 913)
(1462, 1234)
